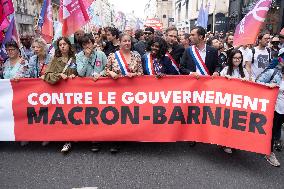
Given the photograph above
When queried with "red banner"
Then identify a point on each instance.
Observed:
(154, 23)
(249, 27)
(231, 113)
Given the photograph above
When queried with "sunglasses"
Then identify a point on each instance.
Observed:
(147, 33)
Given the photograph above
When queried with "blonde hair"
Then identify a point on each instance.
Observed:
(42, 43)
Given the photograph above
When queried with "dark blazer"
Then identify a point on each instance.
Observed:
(177, 53)
(187, 64)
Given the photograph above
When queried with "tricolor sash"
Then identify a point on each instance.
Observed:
(174, 63)
(199, 63)
(149, 65)
(122, 63)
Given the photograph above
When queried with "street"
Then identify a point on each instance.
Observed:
(137, 165)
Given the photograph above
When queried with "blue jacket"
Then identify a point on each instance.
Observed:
(265, 77)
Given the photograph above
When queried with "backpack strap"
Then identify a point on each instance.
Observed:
(269, 54)
(253, 52)
(265, 70)
(273, 75)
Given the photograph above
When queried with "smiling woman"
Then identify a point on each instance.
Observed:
(124, 62)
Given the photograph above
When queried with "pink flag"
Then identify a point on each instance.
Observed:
(4, 24)
(6, 8)
(248, 29)
(73, 15)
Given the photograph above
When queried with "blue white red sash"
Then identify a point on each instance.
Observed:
(199, 63)
(122, 63)
(174, 63)
(149, 65)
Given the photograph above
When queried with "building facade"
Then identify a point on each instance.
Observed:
(150, 10)
(186, 14)
(27, 13)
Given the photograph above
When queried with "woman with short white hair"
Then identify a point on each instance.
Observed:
(39, 62)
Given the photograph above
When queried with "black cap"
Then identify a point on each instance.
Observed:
(150, 29)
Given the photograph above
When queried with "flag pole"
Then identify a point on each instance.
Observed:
(16, 27)
(214, 12)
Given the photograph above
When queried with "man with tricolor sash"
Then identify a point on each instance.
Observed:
(199, 59)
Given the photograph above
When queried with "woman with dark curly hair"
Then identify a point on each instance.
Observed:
(156, 60)
(63, 65)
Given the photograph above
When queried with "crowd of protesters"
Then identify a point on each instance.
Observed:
(108, 52)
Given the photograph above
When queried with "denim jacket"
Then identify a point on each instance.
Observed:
(87, 67)
(266, 76)
(34, 67)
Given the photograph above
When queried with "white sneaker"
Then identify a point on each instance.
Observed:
(227, 150)
(24, 143)
(45, 143)
(272, 160)
(66, 147)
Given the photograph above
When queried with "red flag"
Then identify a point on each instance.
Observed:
(6, 8)
(73, 14)
(47, 27)
(248, 29)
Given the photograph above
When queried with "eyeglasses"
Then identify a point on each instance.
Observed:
(237, 58)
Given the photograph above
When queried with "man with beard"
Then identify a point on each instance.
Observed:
(261, 56)
(175, 51)
(222, 57)
(199, 59)
(141, 46)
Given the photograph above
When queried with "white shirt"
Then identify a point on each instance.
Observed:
(279, 107)
(261, 61)
(202, 53)
(235, 74)
(203, 57)
(247, 54)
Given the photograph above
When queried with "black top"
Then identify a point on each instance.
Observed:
(177, 52)
(110, 48)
